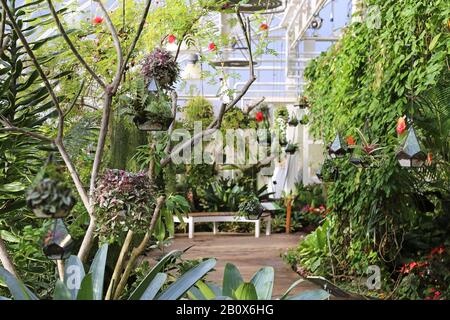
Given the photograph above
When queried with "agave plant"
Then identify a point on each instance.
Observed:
(79, 285)
(260, 287)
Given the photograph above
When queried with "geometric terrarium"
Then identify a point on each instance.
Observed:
(410, 154)
(337, 149)
(57, 243)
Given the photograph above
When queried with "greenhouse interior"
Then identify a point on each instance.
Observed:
(224, 150)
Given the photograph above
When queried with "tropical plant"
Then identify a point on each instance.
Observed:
(125, 201)
(251, 208)
(79, 285)
(161, 67)
(260, 287)
(197, 109)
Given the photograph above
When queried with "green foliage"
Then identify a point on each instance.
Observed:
(79, 285)
(198, 109)
(259, 288)
(370, 76)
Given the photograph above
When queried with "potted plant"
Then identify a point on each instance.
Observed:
(251, 208)
(151, 110)
(293, 121)
(281, 116)
(161, 67)
(291, 148)
(304, 120)
(50, 196)
(328, 172)
(302, 102)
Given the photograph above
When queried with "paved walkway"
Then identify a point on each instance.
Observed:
(246, 252)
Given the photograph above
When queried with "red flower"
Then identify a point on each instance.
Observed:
(263, 27)
(322, 207)
(212, 46)
(412, 265)
(259, 116)
(401, 125)
(351, 141)
(429, 158)
(97, 20)
(438, 250)
(171, 38)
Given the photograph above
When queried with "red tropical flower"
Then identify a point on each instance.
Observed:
(263, 27)
(401, 125)
(438, 250)
(259, 116)
(212, 46)
(351, 141)
(171, 38)
(97, 20)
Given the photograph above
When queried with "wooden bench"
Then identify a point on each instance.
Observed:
(216, 217)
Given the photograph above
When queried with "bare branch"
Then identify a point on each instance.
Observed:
(6, 260)
(72, 47)
(250, 108)
(138, 35)
(118, 47)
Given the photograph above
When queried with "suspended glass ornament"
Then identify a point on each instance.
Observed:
(338, 148)
(410, 155)
(152, 86)
(57, 243)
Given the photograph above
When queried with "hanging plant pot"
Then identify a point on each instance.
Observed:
(153, 123)
(283, 142)
(57, 243)
(293, 122)
(291, 148)
(302, 103)
(50, 198)
(304, 120)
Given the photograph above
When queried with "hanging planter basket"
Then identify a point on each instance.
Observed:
(50, 197)
(153, 123)
(304, 120)
(293, 122)
(291, 148)
(302, 103)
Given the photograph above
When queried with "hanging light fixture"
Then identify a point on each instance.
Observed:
(410, 154)
(193, 69)
(57, 243)
(338, 148)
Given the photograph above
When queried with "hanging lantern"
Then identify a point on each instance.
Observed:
(410, 155)
(337, 149)
(57, 243)
(193, 70)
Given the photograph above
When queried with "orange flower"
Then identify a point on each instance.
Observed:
(401, 125)
(263, 27)
(429, 158)
(351, 141)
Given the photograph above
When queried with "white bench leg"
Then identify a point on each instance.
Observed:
(257, 228)
(268, 226)
(191, 227)
(215, 230)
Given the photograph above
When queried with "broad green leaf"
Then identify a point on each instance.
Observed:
(15, 186)
(139, 291)
(154, 287)
(8, 236)
(16, 287)
(86, 291)
(61, 291)
(246, 291)
(98, 272)
(73, 275)
(286, 294)
(311, 295)
(232, 279)
(177, 289)
(263, 282)
(205, 290)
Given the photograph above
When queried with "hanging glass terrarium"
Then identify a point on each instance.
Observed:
(50, 197)
(410, 154)
(57, 243)
(338, 148)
